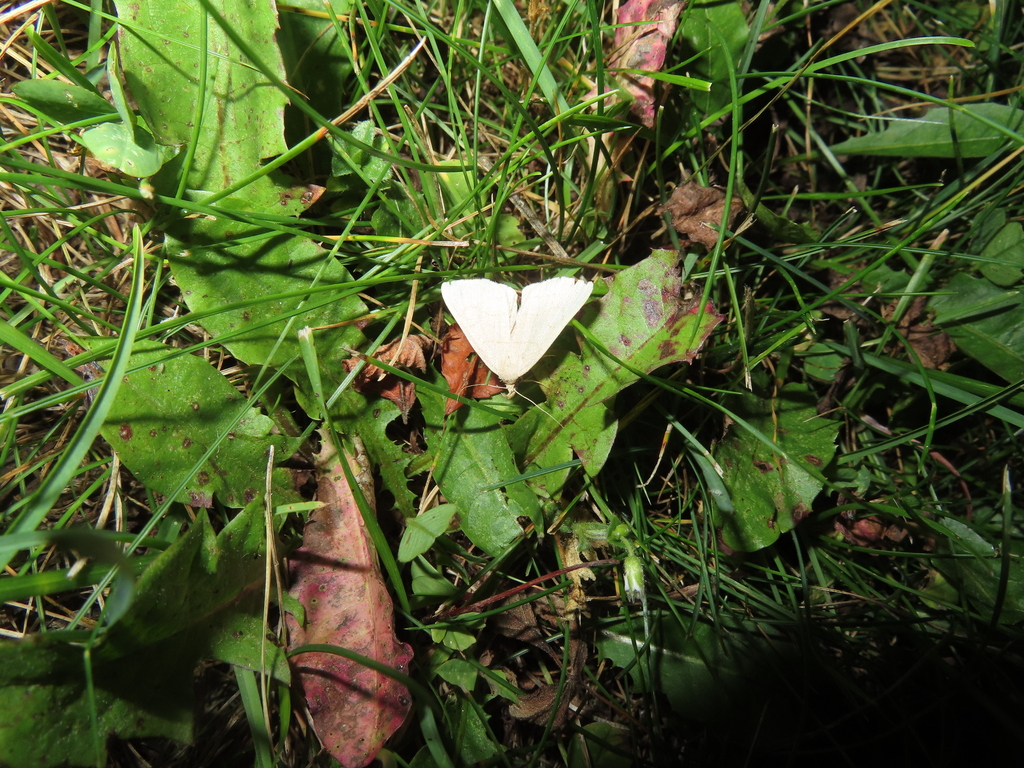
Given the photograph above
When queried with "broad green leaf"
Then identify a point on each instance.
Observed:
(458, 183)
(349, 159)
(540, 443)
(397, 216)
(219, 263)
(318, 63)
(469, 731)
(131, 151)
(642, 322)
(463, 192)
(769, 489)
(966, 540)
(43, 690)
(885, 279)
(169, 414)
(506, 230)
(52, 582)
(118, 96)
(390, 458)
(707, 674)
(985, 227)
(931, 134)
(420, 531)
(460, 673)
(1005, 254)
(242, 121)
(61, 102)
(428, 581)
(977, 569)
(705, 24)
(452, 638)
(459, 636)
(986, 322)
(601, 745)
(820, 361)
(201, 599)
(473, 466)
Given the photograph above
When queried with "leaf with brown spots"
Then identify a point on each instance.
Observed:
(177, 422)
(464, 371)
(644, 323)
(408, 353)
(697, 212)
(772, 485)
(336, 577)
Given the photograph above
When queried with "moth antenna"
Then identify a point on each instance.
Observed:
(512, 392)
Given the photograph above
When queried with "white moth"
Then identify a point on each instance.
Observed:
(510, 335)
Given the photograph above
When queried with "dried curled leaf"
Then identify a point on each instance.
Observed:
(408, 353)
(868, 531)
(537, 700)
(697, 212)
(932, 347)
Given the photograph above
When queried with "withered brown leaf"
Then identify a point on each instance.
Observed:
(932, 347)
(697, 212)
(408, 353)
(464, 371)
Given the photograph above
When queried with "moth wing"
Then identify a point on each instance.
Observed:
(546, 308)
(486, 313)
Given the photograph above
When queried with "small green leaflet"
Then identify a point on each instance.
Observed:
(422, 530)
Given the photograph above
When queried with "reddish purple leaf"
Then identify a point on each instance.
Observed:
(336, 578)
(643, 46)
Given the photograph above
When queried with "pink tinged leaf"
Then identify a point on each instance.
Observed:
(643, 45)
(336, 578)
